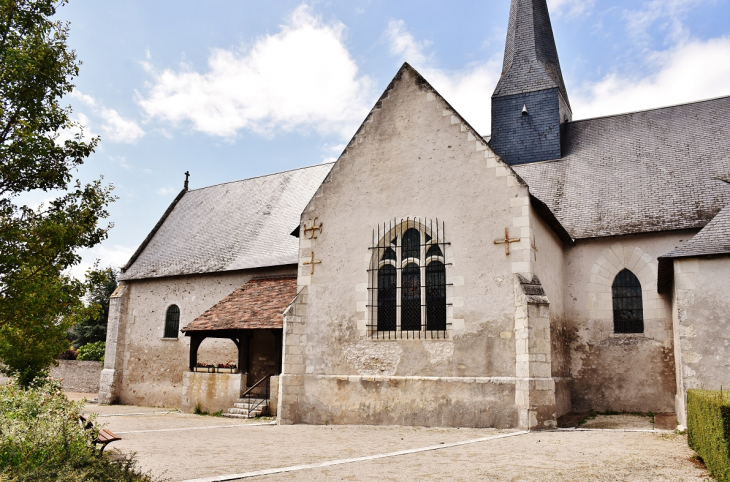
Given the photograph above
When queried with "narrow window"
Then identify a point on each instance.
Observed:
(389, 254)
(172, 321)
(411, 245)
(628, 312)
(387, 298)
(411, 298)
(436, 296)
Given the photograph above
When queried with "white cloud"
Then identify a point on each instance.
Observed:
(119, 129)
(115, 256)
(403, 45)
(301, 78)
(115, 127)
(164, 191)
(664, 16)
(571, 8)
(468, 90)
(690, 71)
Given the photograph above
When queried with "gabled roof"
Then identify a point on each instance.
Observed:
(712, 239)
(232, 226)
(258, 304)
(656, 170)
(530, 56)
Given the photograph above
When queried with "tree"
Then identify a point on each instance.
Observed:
(39, 300)
(101, 284)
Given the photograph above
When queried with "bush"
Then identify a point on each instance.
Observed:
(41, 439)
(708, 430)
(92, 351)
(69, 354)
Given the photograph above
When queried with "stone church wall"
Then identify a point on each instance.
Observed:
(624, 372)
(549, 266)
(702, 325)
(334, 371)
(151, 366)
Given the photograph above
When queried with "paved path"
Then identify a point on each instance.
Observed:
(188, 447)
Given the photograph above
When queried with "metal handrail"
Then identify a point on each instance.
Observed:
(247, 394)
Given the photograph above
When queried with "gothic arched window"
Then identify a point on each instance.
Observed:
(409, 282)
(172, 321)
(628, 311)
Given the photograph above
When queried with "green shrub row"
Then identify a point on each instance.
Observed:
(41, 439)
(92, 351)
(708, 430)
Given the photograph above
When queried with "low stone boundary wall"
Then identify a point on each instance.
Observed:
(77, 375)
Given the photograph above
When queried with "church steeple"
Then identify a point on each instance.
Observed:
(530, 101)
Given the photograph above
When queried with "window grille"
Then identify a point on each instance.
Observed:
(408, 280)
(628, 311)
(172, 321)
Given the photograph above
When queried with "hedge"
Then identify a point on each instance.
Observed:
(708, 430)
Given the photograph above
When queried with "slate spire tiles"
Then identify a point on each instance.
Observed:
(530, 55)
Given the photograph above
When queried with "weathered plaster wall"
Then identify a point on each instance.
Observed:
(702, 325)
(212, 392)
(151, 367)
(549, 266)
(619, 371)
(412, 147)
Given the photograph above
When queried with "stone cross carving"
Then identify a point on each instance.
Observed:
(312, 232)
(311, 263)
(506, 241)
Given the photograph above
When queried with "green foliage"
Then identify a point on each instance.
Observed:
(39, 301)
(101, 285)
(41, 439)
(92, 351)
(708, 430)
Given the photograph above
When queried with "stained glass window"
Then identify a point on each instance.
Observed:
(411, 298)
(411, 244)
(628, 312)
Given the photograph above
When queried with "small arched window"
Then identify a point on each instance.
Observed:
(628, 311)
(172, 321)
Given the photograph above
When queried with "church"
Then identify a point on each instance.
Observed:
(433, 276)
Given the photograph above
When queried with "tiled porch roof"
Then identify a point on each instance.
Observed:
(258, 304)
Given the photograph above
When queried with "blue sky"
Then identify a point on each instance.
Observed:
(230, 89)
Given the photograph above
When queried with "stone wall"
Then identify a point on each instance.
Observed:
(141, 366)
(212, 392)
(625, 372)
(78, 375)
(702, 326)
(412, 146)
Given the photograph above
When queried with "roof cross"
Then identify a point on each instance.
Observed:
(187, 178)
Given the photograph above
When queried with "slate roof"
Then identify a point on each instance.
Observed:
(530, 56)
(656, 170)
(712, 239)
(258, 304)
(232, 226)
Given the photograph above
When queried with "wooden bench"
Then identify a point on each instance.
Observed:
(105, 436)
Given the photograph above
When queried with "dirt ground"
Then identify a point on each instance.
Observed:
(182, 447)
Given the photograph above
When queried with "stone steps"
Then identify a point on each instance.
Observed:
(243, 408)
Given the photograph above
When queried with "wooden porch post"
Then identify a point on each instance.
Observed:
(195, 341)
(244, 346)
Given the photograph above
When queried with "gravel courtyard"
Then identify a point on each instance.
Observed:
(183, 447)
